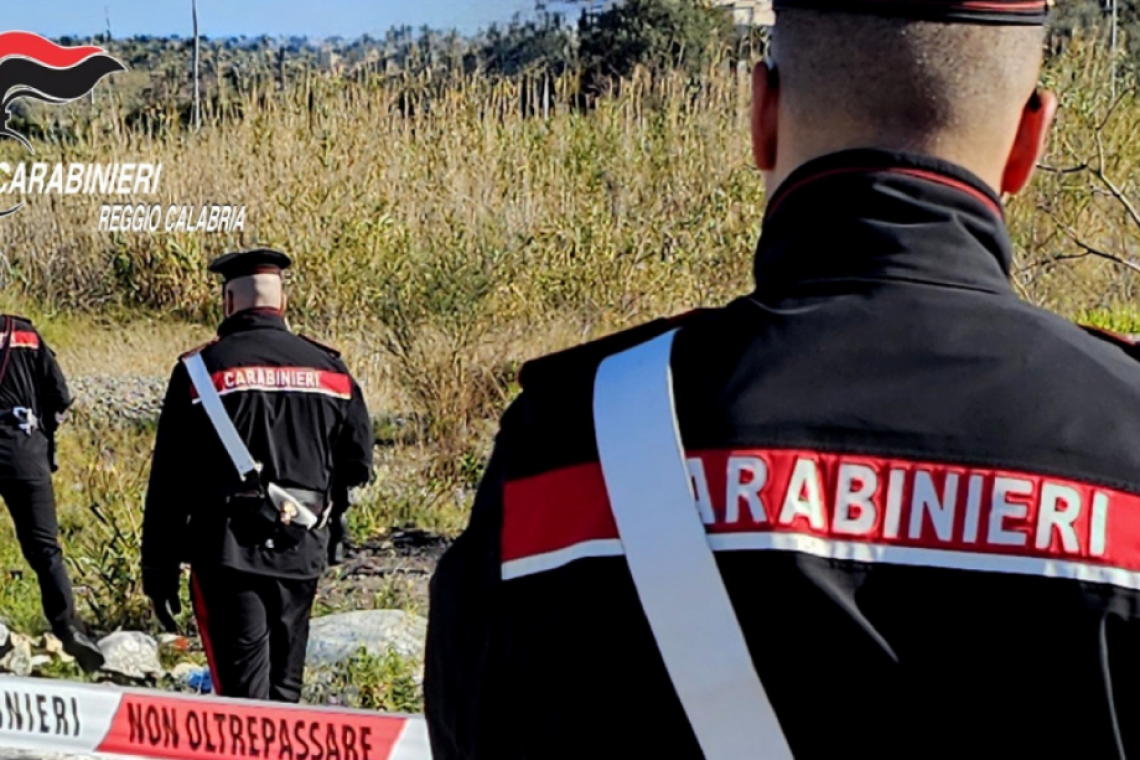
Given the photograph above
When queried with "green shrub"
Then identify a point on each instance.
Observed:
(386, 683)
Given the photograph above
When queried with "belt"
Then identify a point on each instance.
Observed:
(22, 417)
(315, 501)
(279, 517)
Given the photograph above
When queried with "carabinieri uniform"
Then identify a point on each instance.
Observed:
(923, 494)
(33, 399)
(303, 417)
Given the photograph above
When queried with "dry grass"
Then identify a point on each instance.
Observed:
(438, 251)
(442, 249)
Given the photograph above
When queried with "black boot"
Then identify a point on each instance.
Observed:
(77, 644)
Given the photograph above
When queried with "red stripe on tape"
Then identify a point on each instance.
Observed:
(182, 729)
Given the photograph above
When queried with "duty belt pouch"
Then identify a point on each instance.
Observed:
(253, 517)
(272, 515)
(264, 512)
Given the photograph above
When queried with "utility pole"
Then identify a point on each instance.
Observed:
(197, 59)
(1114, 14)
(106, 41)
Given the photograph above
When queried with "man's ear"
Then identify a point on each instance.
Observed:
(765, 98)
(1031, 141)
(228, 300)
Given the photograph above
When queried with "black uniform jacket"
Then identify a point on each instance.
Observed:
(33, 380)
(302, 416)
(980, 458)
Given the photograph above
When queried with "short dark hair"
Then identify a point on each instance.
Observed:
(910, 81)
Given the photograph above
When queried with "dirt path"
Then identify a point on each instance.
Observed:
(393, 572)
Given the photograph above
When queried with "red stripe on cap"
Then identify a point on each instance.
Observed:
(37, 48)
(1011, 517)
(1012, 9)
(999, 7)
(985, 5)
(930, 176)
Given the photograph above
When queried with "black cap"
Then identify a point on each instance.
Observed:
(245, 263)
(995, 12)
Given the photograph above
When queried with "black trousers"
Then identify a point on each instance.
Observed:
(255, 629)
(32, 505)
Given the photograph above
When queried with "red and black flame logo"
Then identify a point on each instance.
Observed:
(36, 68)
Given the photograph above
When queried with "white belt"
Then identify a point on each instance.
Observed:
(669, 557)
(243, 461)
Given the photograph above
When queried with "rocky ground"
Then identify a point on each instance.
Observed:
(400, 564)
(126, 398)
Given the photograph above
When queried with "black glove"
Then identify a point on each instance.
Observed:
(162, 586)
(53, 448)
(338, 533)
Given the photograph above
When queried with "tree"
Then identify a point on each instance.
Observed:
(1083, 16)
(662, 35)
(521, 47)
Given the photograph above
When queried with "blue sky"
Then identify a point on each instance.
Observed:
(220, 18)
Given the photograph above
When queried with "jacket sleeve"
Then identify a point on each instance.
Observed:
(54, 395)
(352, 458)
(168, 497)
(465, 701)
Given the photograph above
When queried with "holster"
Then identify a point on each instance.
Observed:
(255, 516)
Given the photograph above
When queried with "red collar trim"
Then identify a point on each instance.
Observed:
(262, 310)
(924, 174)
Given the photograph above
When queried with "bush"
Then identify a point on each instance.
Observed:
(661, 35)
(100, 489)
(387, 683)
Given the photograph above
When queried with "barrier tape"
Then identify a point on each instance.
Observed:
(72, 718)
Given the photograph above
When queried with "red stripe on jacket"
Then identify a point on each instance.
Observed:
(281, 379)
(22, 339)
(749, 498)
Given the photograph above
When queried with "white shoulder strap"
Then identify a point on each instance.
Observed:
(219, 418)
(669, 557)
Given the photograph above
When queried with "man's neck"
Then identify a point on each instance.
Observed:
(973, 161)
(257, 309)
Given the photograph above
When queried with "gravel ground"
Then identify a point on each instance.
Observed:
(127, 398)
(407, 557)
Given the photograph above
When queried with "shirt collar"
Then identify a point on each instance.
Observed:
(253, 319)
(880, 215)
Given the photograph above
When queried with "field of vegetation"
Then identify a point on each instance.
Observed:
(445, 229)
